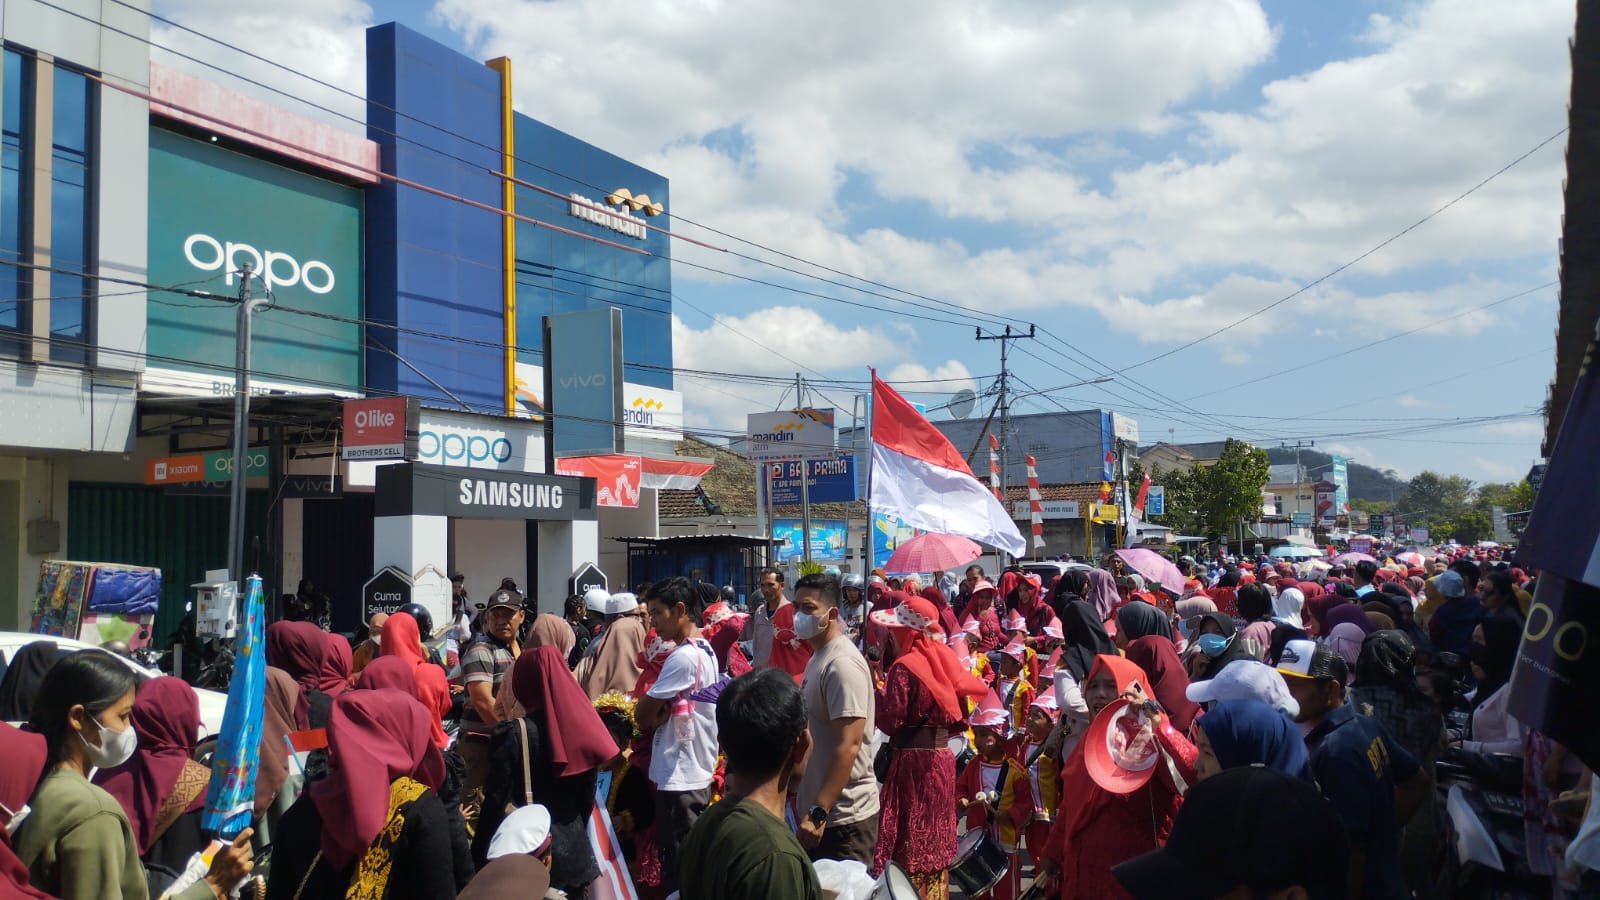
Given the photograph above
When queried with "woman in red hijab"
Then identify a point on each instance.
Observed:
(1097, 829)
(402, 639)
(980, 609)
(1318, 602)
(565, 743)
(24, 753)
(374, 826)
(1168, 681)
(161, 787)
(927, 691)
(302, 649)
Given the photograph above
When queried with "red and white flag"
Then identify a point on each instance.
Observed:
(1035, 504)
(994, 468)
(1144, 493)
(918, 476)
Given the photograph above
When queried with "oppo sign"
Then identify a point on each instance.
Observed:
(275, 268)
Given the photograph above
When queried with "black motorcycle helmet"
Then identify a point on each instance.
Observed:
(424, 619)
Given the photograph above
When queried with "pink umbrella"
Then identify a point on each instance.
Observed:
(1410, 558)
(932, 553)
(1155, 568)
(1350, 559)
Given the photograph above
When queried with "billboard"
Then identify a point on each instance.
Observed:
(616, 478)
(648, 413)
(888, 534)
(583, 381)
(383, 428)
(1341, 479)
(827, 538)
(796, 434)
(212, 211)
(831, 480)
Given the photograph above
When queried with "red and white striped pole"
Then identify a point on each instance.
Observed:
(1035, 506)
(994, 469)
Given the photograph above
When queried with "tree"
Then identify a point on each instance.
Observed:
(1230, 490)
(1431, 497)
(1471, 527)
(1511, 496)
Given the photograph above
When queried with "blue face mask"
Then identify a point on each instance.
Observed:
(1213, 644)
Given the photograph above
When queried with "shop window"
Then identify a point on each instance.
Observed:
(16, 111)
(71, 216)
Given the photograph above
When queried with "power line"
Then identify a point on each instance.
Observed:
(1379, 246)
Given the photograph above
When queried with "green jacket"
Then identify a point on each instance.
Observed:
(77, 844)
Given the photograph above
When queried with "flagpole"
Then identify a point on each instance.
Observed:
(872, 525)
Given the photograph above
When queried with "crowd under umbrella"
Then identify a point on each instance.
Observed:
(1350, 559)
(932, 553)
(1294, 551)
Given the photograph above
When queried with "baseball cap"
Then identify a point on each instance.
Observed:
(1309, 659)
(1451, 584)
(505, 598)
(1251, 826)
(1245, 679)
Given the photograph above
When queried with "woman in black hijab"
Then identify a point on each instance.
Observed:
(1084, 638)
(1069, 587)
(1139, 619)
(23, 677)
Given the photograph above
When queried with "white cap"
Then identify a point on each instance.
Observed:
(619, 603)
(1245, 679)
(594, 598)
(525, 830)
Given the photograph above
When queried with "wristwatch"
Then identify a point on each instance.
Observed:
(817, 815)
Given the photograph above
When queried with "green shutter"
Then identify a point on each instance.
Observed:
(144, 526)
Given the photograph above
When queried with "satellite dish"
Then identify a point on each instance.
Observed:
(961, 404)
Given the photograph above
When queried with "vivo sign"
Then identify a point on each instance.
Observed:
(275, 268)
(598, 379)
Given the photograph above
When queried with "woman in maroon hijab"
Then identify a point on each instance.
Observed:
(304, 650)
(1159, 659)
(24, 753)
(566, 743)
(161, 787)
(374, 826)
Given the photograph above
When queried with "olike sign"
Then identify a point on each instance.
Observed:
(378, 429)
(1156, 503)
(832, 480)
(798, 434)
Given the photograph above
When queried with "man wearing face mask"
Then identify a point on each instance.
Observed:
(741, 849)
(838, 796)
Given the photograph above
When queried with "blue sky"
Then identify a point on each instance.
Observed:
(1129, 177)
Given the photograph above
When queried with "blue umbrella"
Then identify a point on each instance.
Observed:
(231, 796)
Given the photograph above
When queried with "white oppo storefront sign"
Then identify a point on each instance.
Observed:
(466, 441)
(276, 269)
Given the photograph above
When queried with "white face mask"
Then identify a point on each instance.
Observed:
(808, 626)
(114, 749)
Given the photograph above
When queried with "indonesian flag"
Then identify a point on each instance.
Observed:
(1144, 493)
(919, 477)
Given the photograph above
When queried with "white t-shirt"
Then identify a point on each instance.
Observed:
(685, 764)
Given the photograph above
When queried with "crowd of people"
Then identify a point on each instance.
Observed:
(1272, 731)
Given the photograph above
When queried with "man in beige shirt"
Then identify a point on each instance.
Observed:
(837, 798)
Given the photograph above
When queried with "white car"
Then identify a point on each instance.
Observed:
(212, 703)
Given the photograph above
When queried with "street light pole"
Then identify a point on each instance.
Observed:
(241, 424)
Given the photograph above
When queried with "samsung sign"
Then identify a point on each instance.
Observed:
(414, 489)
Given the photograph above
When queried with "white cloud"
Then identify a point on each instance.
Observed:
(1496, 470)
(1410, 401)
(323, 39)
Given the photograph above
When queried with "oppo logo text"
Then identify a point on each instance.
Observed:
(276, 269)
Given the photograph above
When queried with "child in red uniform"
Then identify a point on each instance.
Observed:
(994, 791)
(1013, 687)
(1044, 773)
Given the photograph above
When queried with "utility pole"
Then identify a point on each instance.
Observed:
(241, 424)
(1299, 475)
(805, 480)
(1005, 338)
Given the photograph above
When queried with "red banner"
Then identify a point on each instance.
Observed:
(616, 477)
